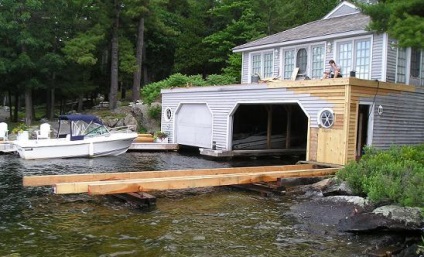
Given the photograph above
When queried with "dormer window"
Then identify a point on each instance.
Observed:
(302, 60)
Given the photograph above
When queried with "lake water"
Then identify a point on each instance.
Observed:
(214, 222)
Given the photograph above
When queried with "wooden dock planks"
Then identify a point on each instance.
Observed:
(55, 179)
(116, 183)
(145, 185)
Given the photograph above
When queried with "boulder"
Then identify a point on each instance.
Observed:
(336, 187)
(387, 218)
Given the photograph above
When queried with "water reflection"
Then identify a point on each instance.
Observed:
(213, 222)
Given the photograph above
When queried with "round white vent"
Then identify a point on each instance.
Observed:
(326, 118)
(168, 114)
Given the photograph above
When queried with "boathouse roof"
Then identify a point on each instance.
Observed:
(324, 28)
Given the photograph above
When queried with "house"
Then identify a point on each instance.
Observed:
(379, 101)
(341, 35)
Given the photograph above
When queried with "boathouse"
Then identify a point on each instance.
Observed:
(284, 105)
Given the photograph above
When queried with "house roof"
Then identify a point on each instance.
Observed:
(317, 29)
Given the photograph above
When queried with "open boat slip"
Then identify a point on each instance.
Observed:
(126, 182)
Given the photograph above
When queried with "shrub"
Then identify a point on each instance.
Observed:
(395, 175)
(155, 112)
(151, 92)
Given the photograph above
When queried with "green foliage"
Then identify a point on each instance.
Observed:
(220, 80)
(155, 112)
(160, 135)
(403, 20)
(233, 67)
(19, 128)
(151, 92)
(395, 175)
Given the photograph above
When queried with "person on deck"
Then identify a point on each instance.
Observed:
(334, 71)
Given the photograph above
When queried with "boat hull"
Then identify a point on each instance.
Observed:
(107, 145)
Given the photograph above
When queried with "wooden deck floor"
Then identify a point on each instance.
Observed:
(144, 181)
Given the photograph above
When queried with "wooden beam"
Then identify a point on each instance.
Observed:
(167, 183)
(47, 180)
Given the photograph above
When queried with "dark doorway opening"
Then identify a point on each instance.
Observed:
(362, 132)
(269, 126)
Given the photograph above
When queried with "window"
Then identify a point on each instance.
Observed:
(288, 63)
(415, 63)
(326, 118)
(256, 64)
(268, 67)
(317, 61)
(363, 59)
(345, 57)
(262, 64)
(355, 55)
(302, 60)
(401, 66)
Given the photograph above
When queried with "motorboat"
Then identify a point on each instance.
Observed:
(78, 135)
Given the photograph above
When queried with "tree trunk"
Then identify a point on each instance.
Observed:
(113, 95)
(28, 107)
(51, 99)
(16, 109)
(10, 106)
(139, 61)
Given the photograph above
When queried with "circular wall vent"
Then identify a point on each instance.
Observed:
(168, 114)
(326, 118)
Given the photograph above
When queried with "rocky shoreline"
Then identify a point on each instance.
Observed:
(328, 207)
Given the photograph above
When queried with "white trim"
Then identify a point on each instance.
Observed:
(384, 57)
(370, 128)
(340, 6)
(305, 40)
(242, 70)
(408, 65)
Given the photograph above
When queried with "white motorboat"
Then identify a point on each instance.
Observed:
(85, 136)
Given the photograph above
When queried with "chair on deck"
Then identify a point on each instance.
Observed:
(4, 133)
(44, 132)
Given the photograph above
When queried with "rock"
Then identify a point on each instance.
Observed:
(357, 201)
(386, 218)
(336, 187)
(408, 215)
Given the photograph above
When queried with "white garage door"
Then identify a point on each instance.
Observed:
(194, 125)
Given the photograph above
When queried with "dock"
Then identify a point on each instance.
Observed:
(153, 147)
(145, 181)
(7, 147)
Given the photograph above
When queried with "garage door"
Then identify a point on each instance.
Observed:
(194, 125)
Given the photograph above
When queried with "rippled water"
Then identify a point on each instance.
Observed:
(215, 222)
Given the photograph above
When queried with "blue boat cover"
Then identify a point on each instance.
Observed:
(84, 117)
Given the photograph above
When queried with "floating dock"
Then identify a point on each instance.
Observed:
(153, 147)
(145, 181)
(7, 147)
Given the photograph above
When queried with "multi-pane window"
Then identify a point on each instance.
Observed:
(415, 62)
(302, 60)
(401, 66)
(355, 56)
(268, 65)
(262, 64)
(363, 48)
(345, 57)
(256, 64)
(317, 61)
(288, 63)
